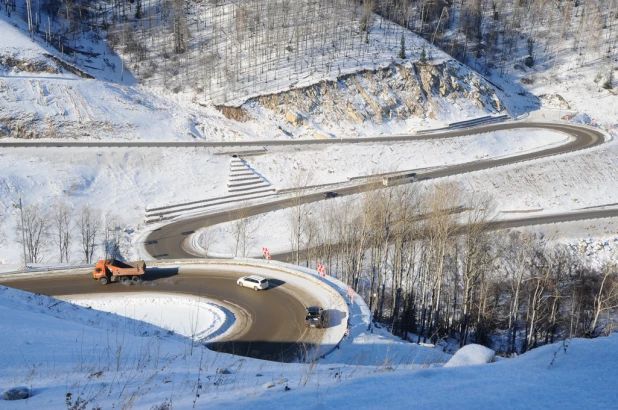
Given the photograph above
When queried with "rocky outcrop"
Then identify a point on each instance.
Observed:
(69, 67)
(234, 113)
(396, 92)
(295, 118)
(16, 393)
(30, 66)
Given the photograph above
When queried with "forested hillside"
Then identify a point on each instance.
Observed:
(226, 49)
(498, 30)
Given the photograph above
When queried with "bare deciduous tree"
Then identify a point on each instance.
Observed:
(36, 233)
(112, 236)
(440, 227)
(300, 180)
(474, 252)
(208, 237)
(606, 298)
(243, 227)
(61, 215)
(517, 248)
(89, 227)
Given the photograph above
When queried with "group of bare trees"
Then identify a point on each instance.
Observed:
(493, 32)
(431, 263)
(229, 49)
(226, 49)
(242, 230)
(63, 234)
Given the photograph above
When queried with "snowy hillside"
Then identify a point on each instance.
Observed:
(90, 94)
(66, 355)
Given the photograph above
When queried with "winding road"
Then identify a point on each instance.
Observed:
(269, 323)
(170, 241)
(272, 317)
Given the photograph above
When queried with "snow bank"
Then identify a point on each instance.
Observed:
(186, 315)
(470, 355)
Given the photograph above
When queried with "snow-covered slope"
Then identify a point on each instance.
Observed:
(91, 95)
(66, 354)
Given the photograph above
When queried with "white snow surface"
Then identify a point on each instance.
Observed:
(15, 42)
(186, 315)
(335, 163)
(56, 348)
(470, 355)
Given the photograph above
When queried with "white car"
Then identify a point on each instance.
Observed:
(255, 282)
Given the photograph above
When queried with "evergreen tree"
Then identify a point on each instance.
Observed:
(402, 50)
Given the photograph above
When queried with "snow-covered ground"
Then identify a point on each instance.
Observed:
(188, 316)
(336, 163)
(124, 182)
(67, 354)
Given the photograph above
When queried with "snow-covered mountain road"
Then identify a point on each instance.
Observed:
(268, 324)
(425, 136)
(168, 242)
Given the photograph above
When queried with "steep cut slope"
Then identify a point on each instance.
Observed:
(371, 99)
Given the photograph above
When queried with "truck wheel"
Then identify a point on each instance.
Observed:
(136, 279)
(124, 279)
(104, 280)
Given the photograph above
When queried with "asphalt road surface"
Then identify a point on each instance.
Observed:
(168, 242)
(261, 144)
(270, 323)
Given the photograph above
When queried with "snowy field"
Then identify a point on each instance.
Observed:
(336, 163)
(56, 349)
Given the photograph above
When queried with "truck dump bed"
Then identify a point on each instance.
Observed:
(119, 266)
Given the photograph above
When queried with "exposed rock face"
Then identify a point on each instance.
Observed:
(294, 118)
(234, 113)
(30, 66)
(393, 93)
(554, 101)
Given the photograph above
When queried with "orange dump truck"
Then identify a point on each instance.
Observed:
(112, 270)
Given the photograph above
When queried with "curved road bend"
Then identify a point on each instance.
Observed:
(273, 143)
(167, 242)
(274, 333)
(275, 319)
